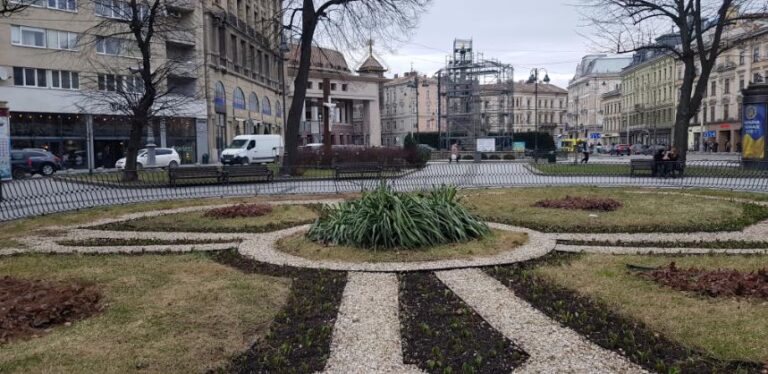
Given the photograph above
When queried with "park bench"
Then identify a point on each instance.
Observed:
(353, 171)
(246, 171)
(662, 168)
(200, 172)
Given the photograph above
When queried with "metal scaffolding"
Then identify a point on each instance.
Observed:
(475, 99)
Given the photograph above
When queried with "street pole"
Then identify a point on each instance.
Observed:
(327, 156)
(416, 84)
(439, 110)
(536, 113)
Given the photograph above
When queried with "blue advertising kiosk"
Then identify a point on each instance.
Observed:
(753, 126)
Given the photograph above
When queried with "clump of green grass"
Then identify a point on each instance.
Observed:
(387, 219)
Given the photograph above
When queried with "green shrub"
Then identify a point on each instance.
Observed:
(384, 218)
(494, 157)
(467, 157)
(509, 156)
(483, 156)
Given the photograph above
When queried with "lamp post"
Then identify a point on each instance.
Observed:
(284, 49)
(534, 78)
(415, 85)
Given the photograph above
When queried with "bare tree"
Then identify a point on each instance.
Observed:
(344, 24)
(10, 7)
(138, 87)
(700, 26)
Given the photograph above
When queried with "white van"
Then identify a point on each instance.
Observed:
(249, 149)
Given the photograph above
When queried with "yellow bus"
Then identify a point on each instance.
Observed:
(571, 145)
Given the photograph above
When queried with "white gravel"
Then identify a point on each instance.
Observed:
(653, 250)
(552, 348)
(366, 337)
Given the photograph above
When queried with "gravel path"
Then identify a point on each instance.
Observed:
(366, 337)
(654, 250)
(553, 348)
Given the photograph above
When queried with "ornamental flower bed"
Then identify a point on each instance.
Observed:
(239, 211)
(713, 283)
(602, 204)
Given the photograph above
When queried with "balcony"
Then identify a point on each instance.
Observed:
(725, 66)
(182, 38)
(184, 6)
(184, 69)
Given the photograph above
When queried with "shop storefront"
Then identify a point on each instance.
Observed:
(66, 136)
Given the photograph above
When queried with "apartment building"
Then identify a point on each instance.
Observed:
(512, 108)
(244, 80)
(595, 75)
(614, 126)
(409, 105)
(355, 118)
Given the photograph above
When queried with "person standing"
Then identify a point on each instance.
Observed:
(454, 153)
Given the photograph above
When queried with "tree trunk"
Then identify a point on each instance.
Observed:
(130, 172)
(309, 22)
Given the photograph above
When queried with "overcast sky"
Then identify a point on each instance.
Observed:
(526, 34)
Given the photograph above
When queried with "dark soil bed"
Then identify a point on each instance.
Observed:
(441, 334)
(713, 283)
(239, 210)
(109, 242)
(717, 244)
(299, 340)
(31, 307)
(606, 328)
(601, 204)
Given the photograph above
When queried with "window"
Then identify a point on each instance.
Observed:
(727, 86)
(253, 102)
(28, 36)
(118, 9)
(62, 40)
(67, 80)
(756, 54)
(278, 109)
(29, 77)
(309, 85)
(68, 5)
(713, 89)
(757, 78)
(712, 114)
(120, 83)
(333, 86)
(266, 106)
(741, 83)
(725, 112)
(742, 55)
(344, 87)
(116, 47)
(238, 99)
(320, 85)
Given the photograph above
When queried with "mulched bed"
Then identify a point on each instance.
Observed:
(601, 204)
(239, 211)
(716, 244)
(608, 329)
(713, 283)
(111, 242)
(299, 340)
(441, 334)
(31, 307)
(129, 226)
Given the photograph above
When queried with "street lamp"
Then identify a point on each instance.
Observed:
(415, 85)
(534, 78)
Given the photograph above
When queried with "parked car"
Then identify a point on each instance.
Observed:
(653, 149)
(246, 149)
(621, 150)
(164, 157)
(33, 161)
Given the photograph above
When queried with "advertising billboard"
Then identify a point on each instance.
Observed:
(486, 145)
(753, 131)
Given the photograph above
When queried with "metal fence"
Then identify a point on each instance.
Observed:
(70, 191)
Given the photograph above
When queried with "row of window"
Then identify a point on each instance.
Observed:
(238, 101)
(334, 86)
(120, 83)
(44, 78)
(66, 5)
(118, 9)
(43, 38)
(117, 47)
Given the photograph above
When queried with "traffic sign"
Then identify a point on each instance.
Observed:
(595, 135)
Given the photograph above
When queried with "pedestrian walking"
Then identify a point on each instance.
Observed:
(454, 153)
(585, 151)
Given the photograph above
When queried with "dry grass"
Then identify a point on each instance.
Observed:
(726, 328)
(21, 227)
(281, 216)
(642, 212)
(500, 241)
(165, 314)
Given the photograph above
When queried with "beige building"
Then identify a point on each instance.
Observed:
(225, 71)
(614, 128)
(595, 76)
(400, 113)
(355, 118)
(517, 111)
(718, 123)
(649, 97)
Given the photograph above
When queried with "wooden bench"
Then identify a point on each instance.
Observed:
(200, 172)
(246, 171)
(642, 165)
(357, 171)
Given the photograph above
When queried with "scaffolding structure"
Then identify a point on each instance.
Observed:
(475, 99)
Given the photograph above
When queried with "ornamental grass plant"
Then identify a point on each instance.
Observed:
(385, 219)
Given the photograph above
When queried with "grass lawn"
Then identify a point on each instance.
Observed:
(726, 328)
(500, 241)
(624, 170)
(282, 216)
(164, 314)
(27, 226)
(642, 212)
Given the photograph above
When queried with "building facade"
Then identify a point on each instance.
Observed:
(614, 127)
(595, 76)
(53, 67)
(409, 105)
(649, 98)
(244, 81)
(355, 117)
(527, 108)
